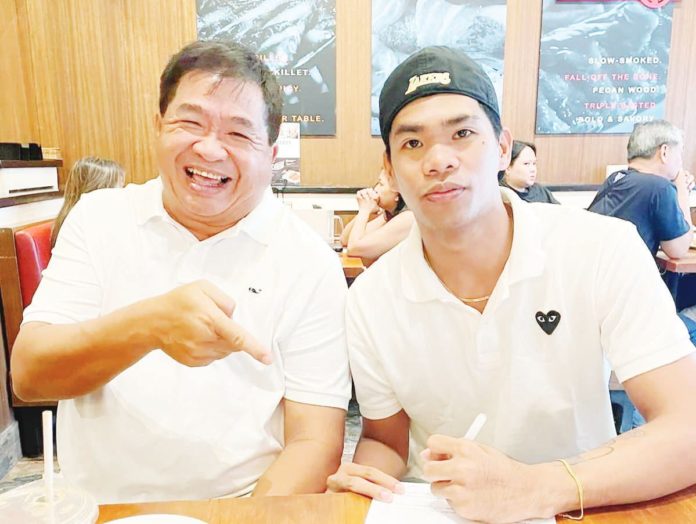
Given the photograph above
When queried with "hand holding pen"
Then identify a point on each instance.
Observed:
(478, 481)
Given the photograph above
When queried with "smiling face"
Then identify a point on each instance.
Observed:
(213, 152)
(522, 171)
(444, 160)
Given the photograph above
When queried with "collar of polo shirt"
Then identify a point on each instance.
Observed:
(527, 258)
(260, 224)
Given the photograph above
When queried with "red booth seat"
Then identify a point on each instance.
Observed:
(33, 245)
(24, 254)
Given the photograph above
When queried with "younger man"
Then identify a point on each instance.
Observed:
(510, 309)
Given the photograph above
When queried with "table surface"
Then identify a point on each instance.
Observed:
(347, 508)
(352, 266)
(685, 264)
(341, 508)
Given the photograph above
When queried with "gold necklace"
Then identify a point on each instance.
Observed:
(463, 299)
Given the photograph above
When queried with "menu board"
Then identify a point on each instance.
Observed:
(602, 65)
(402, 27)
(286, 167)
(296, 39)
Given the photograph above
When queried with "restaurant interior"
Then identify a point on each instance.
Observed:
(80, 78)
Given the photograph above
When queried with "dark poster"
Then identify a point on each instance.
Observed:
(402, 27)
(602, 66)
(297, 39)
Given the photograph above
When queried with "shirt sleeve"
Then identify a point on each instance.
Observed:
(668, 216)
(373, 390)
(639, 328)
(314, 354)
(69, 290)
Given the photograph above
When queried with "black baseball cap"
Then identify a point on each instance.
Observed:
(430, 71)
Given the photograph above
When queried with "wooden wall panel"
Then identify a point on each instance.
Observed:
(91, 83)
(354, 157)
(96, 70)
(77, 71)
(18, 119)
(153, 32)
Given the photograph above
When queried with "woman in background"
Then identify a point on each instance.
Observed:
(382, 222)
(520, 176)
(87, 174)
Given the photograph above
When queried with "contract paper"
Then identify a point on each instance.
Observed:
(418, 505)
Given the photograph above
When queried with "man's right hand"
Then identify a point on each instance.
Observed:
(192, 325)
(364, 480)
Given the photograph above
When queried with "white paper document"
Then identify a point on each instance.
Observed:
(417, 505)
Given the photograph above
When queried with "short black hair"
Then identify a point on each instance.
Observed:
(229, 60)
(517, 147)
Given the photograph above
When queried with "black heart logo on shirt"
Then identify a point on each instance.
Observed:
(548, 321)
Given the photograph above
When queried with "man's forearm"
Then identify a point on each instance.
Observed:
(58, 361)
(643, 464)
(370, 452)
(302, 467)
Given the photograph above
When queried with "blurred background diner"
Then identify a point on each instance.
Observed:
(382, 221)
(86, 175)
(521, 174)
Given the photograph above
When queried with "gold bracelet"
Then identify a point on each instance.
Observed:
(580, 493)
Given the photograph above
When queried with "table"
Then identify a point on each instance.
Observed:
(678, 275)
(341, 508)
(348, 508)
(352, 266)
(685, 264)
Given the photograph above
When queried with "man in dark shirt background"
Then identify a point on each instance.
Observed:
(653, 192)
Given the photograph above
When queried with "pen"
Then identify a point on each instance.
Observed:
(475, 427)
(470, 434)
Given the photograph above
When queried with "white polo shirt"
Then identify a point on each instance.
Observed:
(414, 346)
(161, 430)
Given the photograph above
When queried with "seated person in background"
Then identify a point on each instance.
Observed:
(520, 175)
(87, 174)
(493, 306)
(382, 221)
(653, 192)
(192, 326)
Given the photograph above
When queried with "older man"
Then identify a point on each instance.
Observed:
(191, 326)
(512, 310)
(653, 192)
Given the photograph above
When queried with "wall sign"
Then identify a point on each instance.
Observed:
(296, 39)
(602, 66)
(402, 27)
